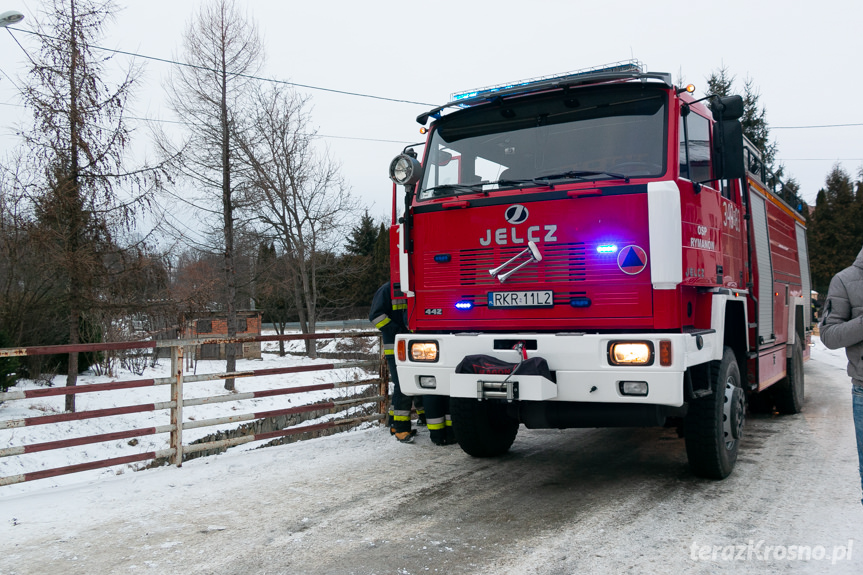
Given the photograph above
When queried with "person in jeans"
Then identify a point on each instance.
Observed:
(842, 326)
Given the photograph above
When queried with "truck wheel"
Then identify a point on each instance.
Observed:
(482, 428)
(788, 393)
(713, 425)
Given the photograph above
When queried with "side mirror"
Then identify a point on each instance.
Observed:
(727, 108)
(442, 158)
(728, 138)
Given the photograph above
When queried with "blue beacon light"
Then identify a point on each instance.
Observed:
(606, 248)
(464, 305)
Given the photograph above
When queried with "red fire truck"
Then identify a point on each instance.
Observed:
(597, 249)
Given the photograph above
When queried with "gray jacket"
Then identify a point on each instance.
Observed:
(842, 323)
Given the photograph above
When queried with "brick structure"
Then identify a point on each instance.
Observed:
(215, 325)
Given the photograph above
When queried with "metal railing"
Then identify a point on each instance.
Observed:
(177, 381)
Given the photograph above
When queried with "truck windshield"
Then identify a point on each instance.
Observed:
(595, 134)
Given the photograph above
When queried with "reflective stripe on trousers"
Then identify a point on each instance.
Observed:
(399, 415)
(438, 423)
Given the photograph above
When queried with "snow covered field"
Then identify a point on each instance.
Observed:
(27, 408)
(570, 501)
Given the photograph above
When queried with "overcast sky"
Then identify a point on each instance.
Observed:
(804, 57)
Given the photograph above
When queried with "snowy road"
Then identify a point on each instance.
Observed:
(575, 501)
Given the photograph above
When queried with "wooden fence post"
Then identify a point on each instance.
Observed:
(177, 400)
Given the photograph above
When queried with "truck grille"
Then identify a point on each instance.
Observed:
(561, 263)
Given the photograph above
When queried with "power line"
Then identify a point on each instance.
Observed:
(809, 127)
(250, 77)
(159, 120)
(819, 159)
(331, 90)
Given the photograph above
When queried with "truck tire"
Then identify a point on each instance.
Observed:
(788, 393)
(482, 428)
(713, 426)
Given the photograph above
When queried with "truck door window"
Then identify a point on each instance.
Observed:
(696, 162)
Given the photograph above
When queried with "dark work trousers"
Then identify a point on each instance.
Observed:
(401, 403)
(437, 417)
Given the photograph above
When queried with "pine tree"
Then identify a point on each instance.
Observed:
(834, 233)
(821, 243)
(857, 211)
(790, 192)
(720, 82)
(363, 237)
(754, 122)
(78, 143)
(381, 258)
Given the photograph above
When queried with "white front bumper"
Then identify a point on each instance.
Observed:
(579, 361)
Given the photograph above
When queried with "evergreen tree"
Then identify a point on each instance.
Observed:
(754, 120)
(821, 243)
(369, 250)
(381, 257)
(834, 233)
(720, 82)
(857, 211)
(86, 197)
(790, 192)
(363, 237)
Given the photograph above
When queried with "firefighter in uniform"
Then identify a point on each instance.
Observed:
(390, 317)
(438, 419)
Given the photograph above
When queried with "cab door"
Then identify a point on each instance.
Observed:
(712, 218)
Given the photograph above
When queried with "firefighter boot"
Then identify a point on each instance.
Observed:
(406, 436)
(441, 437)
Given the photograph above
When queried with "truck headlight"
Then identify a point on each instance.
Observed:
(405, 170)
(424, 351)
(630, 353)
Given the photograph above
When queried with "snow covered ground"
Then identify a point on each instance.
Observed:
(571, 501)
(27, 408)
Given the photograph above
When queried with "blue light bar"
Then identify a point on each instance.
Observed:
(442, 258)
(606, 248)
(624, 66)
(580, 302)
(464, 304)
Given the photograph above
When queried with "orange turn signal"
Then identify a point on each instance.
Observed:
(665, 353)
(402, 351)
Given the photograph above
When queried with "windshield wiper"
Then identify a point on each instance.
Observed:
(521, 182)
(445, 189)
(583, 174)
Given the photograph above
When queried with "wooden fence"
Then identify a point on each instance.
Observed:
(177, 382)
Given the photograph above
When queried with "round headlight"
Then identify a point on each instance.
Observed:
(405, 170)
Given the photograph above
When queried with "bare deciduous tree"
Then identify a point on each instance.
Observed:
(224, 48)
(294, 192)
